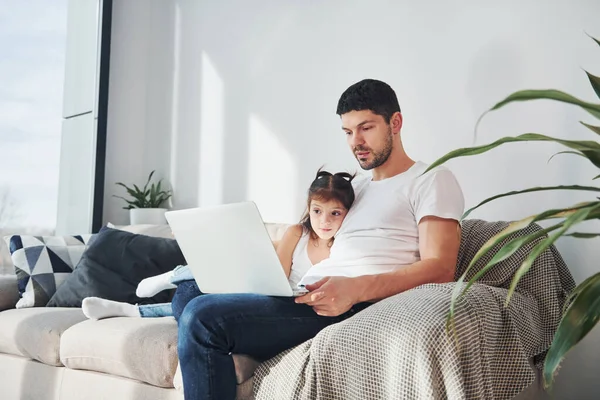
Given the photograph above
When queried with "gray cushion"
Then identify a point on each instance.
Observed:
(9, 294)
(114, 264)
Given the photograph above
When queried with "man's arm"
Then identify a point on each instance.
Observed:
(439, 240)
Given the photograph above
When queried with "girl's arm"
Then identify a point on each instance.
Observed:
(285, 247)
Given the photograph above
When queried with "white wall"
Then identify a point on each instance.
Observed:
(232, 101)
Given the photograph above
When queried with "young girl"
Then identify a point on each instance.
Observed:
(330, 196)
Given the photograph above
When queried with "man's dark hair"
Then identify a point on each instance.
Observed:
(369, 94)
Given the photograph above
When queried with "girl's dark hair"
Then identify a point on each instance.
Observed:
(326, 187)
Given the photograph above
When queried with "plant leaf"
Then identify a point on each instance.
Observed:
(122, 184)
(595, 129)
(594, 39)
(576, 218)
(579, 319)
(590, 149)
(152, 200)
(133, 193)
(506, 251)
(130, 191)
(595, 82)
(588, 281)
(458, 292)
(525, 222)
(143, 195)
(583, 235)
(509, 249)
(534, 189)
(138, 189)
(566, 152)
(148, 181)
(132, 204)
(549, 94)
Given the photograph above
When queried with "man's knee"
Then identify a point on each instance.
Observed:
(200, 321)
(186, 292)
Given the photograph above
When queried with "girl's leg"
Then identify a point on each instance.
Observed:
(97, 308)
(169, 280)
(181, 273)
(156, 310)
(155, 284)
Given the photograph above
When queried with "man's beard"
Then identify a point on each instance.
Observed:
(380, 157)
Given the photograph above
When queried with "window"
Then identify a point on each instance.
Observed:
(33, 41)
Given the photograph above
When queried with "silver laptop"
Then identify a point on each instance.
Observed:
(228, 250)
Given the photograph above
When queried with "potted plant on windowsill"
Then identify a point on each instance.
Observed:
(145, 205)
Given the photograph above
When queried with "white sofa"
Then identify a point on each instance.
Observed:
(56, 353)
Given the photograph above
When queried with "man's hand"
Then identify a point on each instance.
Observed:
(331, 296)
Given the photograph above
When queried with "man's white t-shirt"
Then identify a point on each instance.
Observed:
(380, 232)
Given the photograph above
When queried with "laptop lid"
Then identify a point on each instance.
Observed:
(228, 249)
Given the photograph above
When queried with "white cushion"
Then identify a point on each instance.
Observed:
(35, 332)
(144, 349)
(162, 231)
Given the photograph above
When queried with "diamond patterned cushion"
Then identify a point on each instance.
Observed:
(42, 263)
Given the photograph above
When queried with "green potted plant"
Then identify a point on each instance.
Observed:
(145, 205)
(583, 309)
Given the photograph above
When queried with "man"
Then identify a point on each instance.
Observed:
(401, 232)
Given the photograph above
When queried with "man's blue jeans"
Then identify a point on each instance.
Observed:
(214, 326)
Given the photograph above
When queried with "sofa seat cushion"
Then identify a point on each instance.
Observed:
(35, 332)
(144, 349)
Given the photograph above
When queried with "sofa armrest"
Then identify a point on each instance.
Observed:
(399, 348)
(9, 294)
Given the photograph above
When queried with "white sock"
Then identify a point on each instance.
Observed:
(97, 308)
(155, 284)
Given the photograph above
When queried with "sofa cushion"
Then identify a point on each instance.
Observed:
(163, 231)
(9, 294)
(43, 263)
(35, 332)
(144, 349)
(113, 266)
(6, 265)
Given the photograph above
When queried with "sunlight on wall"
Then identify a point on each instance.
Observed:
(272, 175)
(212, 116)
(175, 95)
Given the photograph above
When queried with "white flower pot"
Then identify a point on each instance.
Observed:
(152, 216)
